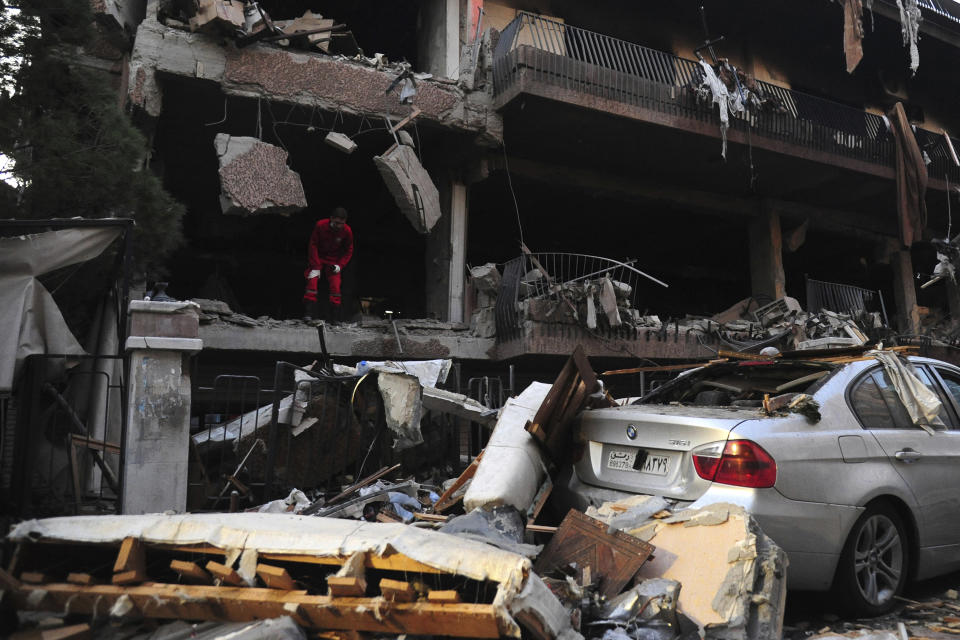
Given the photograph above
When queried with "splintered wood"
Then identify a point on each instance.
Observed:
(581, 541)
(566, 398)
(152, 583)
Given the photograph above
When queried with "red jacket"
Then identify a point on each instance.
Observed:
(328, 246)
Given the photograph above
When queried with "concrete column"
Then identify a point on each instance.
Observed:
(905, 291)
(162, 337)
(458, 250)
(452, 39)
(766, 256)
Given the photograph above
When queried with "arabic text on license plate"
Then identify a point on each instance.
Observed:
(624, 461)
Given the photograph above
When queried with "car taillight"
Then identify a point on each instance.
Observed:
(743, 464)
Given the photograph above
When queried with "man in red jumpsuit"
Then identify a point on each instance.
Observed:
(330, 249)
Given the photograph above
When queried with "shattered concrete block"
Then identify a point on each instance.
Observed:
(483, 322)
(733, 575)
(411, 187)
(340, 142)
(486, 277)
(218, 15)
(403, 406)
(457, 404)
(213, 306)
(254, 178)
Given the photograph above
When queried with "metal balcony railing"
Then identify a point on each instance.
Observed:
(583, 61)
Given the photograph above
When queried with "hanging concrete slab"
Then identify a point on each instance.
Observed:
(255, 178)
(411, 186)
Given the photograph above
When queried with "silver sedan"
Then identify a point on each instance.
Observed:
(859, 497)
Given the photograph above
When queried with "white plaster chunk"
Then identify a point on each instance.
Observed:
(608, 300)
(340, 142)
(486, 278)
(403, 407)
(411, 187)
(512, 469)
(254, 177)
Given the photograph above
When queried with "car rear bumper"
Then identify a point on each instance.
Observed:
(811, 533)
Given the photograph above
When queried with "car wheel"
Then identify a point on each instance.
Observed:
(875, 562)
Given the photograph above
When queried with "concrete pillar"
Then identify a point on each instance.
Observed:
(904, 291)
(766, 257)
(458, 250)
(452, 39)
(162, 337)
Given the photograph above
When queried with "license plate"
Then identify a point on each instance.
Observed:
(624, 460)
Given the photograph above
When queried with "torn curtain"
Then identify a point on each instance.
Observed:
(853, 33)
(911, 178)
(31, 320)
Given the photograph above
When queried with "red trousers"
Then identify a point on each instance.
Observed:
(333, 284)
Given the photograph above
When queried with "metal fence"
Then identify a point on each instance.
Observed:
(557, 275)
(843, 298)
(308, 430)
(65, 447)
(583, 61)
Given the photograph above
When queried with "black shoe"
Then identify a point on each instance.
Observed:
(309, 310)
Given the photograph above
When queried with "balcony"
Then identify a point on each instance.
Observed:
(557, 61)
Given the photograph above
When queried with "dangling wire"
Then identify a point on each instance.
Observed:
(259, 121)
(221, 120)
(516, 207)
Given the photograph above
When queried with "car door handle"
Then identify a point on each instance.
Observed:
(908, 455)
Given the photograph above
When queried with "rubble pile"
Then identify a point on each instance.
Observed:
(391, 555)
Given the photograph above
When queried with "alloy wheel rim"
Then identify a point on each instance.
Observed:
(878, 560)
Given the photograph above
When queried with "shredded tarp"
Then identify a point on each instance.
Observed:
(31, 321)
(252, 534)
(714, 89)
(910, 19)
(911, 177)
(921, 403)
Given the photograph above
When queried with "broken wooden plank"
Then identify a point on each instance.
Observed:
(8, 582)
(190, 602)
(360, 485)
(430, 517)
(446, 500)
(72, 632)
(346, 586)
(664, 367)
(225, 574)
(740, 355)
(275, 577)
(397, 591)
(81, 578)
(613, 559)
(541, 528)
(446, 596)
(191, 572)
(389, 561)
(131, 564)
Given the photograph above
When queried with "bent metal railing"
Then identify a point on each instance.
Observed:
(583, 61)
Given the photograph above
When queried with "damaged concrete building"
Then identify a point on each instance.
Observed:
(655, 183)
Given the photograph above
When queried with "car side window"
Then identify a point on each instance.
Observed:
(944, 414)
(877, 405)
(952, 382)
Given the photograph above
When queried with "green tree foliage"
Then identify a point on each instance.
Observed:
(74, 151)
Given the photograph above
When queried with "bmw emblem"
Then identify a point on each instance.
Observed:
(631, 431)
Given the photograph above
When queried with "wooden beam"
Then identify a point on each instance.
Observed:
(81, 578)
(397, 591)
(275, 577)
(346, 586)
(446, 500)
(33, 577)
(131, 564)
(443, 597)
(191, 572)
(388, 562)
(225, 574)
(190, 602)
